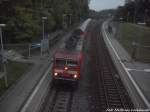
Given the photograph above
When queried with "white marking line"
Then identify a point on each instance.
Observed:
(129, 75)
(147, 70)
(35, 91)
(138, 70)
(84, 25)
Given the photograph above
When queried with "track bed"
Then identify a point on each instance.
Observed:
(100, 87)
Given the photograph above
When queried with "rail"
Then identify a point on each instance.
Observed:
(58, 100)
(111, 90)
(135, 93)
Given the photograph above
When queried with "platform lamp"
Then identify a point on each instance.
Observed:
(42, 42)
(43, 21)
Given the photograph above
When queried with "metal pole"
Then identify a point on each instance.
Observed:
(70, 19)
(41, 49)
(2, 49)
(43, 37)
(5, 75)
(63, 23)
(128, 17)
(135, 11)
(43, 18)
(29, 50)
(43, 29)
(4, 66)
(138, 47)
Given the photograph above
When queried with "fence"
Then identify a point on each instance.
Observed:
(30, 49)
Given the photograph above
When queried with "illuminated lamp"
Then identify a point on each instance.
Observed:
(75, 76)
(66, 68)
(55, 74)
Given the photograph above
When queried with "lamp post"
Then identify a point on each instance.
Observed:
(128, 15)
(43, 21)
(64, 20)
(70, 19)
(42, 42)
(2, 50)
(2, 46)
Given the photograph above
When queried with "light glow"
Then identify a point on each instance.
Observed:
(55, 74)
(75, 76)
(66, 68)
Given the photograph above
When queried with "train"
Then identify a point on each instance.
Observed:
(67, 61)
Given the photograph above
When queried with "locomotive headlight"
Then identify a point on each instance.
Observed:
(66, 68)
(55, 74)
(75, 76)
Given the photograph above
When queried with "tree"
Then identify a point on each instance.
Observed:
(23, 17)
(134, 11)
(21, 27)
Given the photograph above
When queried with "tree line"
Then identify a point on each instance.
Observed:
(134, 11)
(23, 18)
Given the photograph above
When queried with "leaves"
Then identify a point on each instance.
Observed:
(134, 11)
(25, 24)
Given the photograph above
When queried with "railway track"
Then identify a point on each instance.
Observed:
(105, 90)
(59, 99)
(111, 93)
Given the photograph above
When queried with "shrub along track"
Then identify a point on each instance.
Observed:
(108, 92)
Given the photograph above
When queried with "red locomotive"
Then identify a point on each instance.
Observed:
(67, 65)
(67, 61)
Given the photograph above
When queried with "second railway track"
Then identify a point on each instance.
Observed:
(110, 90)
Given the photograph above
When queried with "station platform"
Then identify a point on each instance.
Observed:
(138, 72)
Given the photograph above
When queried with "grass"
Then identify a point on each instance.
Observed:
(131, 32)
(14, 71)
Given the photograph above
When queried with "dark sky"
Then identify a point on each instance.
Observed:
(105, 4)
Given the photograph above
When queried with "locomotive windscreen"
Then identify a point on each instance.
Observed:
(60, 62)
(71, 63)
